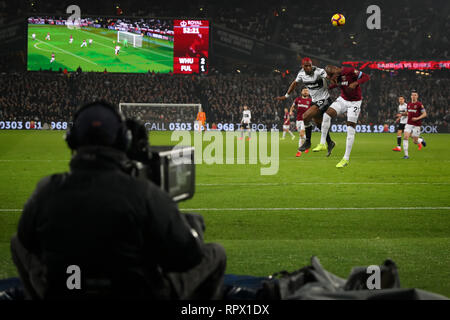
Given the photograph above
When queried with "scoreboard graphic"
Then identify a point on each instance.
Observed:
(191, 43)
(152, 45)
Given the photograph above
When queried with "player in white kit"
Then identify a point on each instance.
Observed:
(48, 36)
(84, 44)
(401, 120)
(33, 36)
(117, 50)
(315, 79)
(53, 58)
(245, 122)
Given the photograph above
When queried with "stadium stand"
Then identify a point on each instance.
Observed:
(223, 92)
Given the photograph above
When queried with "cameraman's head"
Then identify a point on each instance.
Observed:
(99, 124)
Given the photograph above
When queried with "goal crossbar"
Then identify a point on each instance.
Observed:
(174, 116)
(134, 36)
(138, 104)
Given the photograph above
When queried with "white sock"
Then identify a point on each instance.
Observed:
(326, 122)
(291, 133)
(405, 147)
(350, 139)
(301, 141)
(284, 134)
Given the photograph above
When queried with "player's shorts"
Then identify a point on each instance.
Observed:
(322, 104)
(401, 126)
(286, 127)
(353, 108)
(300, 124)
(413, 130)
(246, 125)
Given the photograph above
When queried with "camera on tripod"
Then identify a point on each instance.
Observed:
(171, 168)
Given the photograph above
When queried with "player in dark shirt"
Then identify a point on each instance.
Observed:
(348, 80)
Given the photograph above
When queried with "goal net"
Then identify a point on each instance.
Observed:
(133, 39)
(163, 116)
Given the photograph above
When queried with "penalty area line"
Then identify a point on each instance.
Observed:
(315, 183)
(67, 52)
(290, 209)
(314, 209)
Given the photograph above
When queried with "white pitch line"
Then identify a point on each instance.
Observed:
(35, 45)
(290, 209)
(30, 160)
(313, 209)
(315, 183)
(66, 52)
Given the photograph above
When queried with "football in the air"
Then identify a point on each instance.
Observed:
(338, 20)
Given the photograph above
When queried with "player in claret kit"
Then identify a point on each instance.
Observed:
(315, 79)
(287, 124)
(302, 104)
(47, 37)
(348, 80)
(415, 112)
(70, 39)
(53, 58)
(84, 44)
(401, 120)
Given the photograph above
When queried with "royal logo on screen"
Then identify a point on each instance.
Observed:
(194, 22)
(183, 23)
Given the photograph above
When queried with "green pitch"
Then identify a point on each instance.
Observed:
(404, 205)
(155, 54)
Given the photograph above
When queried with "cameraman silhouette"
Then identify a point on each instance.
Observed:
(123, 235)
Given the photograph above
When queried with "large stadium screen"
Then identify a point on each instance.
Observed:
(131, 45)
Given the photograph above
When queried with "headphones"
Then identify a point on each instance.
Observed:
(123, 138)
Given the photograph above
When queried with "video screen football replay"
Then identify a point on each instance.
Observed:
(129, 45)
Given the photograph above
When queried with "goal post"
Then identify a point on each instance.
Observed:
(163, 116)
(132, 38)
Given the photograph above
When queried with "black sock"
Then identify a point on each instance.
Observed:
(308, 132)
(329, 138)
(399, 141)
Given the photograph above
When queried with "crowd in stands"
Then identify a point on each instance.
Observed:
(54, 96)
(410, 30)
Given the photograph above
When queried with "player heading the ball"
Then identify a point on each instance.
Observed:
(315, 79)
(348, 80)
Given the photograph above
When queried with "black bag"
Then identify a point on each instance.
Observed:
(315, 283)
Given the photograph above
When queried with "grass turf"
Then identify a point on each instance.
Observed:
(263, 241)
(155, 54)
